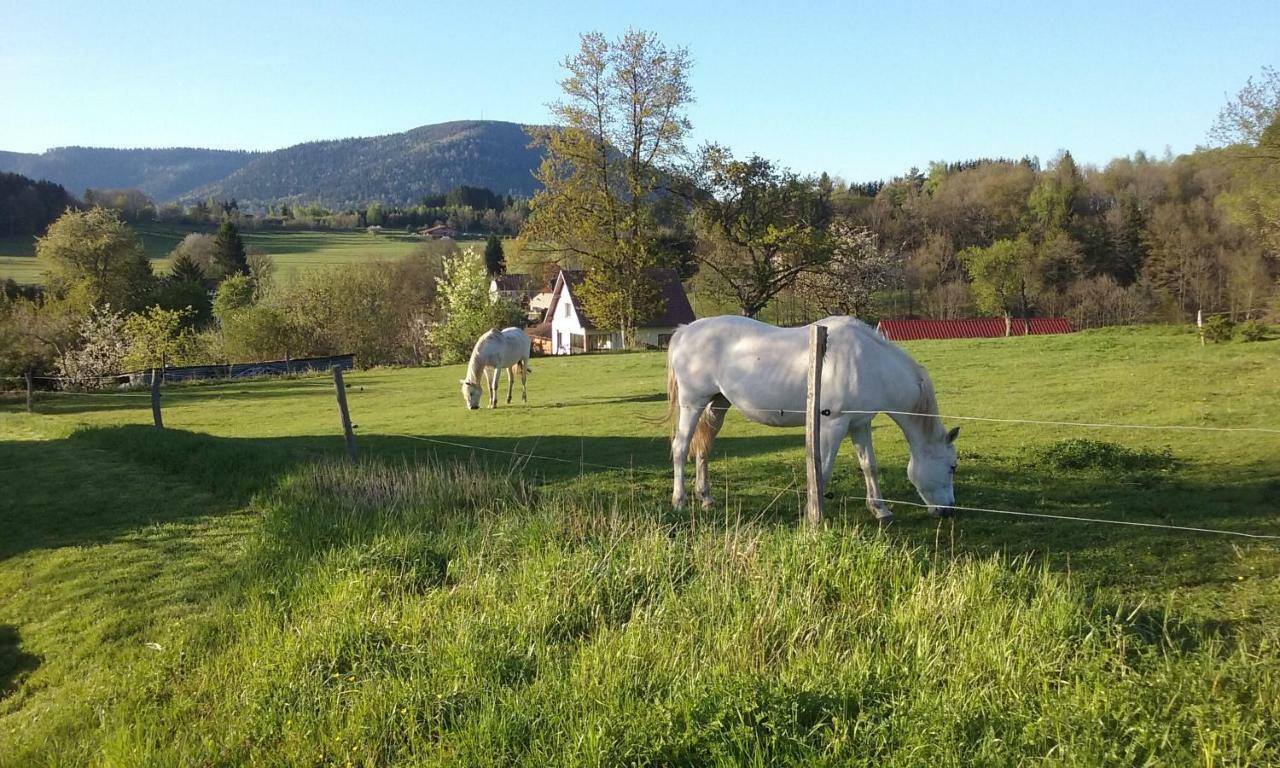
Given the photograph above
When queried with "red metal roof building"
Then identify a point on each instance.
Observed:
(970, 328)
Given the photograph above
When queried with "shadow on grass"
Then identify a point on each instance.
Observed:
(15, 663)
(63, 500)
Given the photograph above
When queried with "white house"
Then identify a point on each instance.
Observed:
(568, 329)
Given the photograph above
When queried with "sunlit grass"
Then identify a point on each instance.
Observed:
(439, 606)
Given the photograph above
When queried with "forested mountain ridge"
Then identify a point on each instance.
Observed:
(163, 174)
(396, 169)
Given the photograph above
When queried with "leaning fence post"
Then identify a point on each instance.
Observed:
(155, 397)
(1200, 325)
(342, 409)
(812, 441)
(30, 393)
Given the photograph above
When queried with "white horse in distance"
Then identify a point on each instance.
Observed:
(718, 362)
(496, 350)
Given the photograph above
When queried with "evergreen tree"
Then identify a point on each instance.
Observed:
(185, 269)
(494, 261)
(229, 255)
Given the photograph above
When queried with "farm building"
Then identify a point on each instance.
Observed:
(438, 232)
(513, 287)
(526, 291)
(971, 328)
(568, 329)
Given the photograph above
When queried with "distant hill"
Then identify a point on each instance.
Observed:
(397, 168)
(164, 174)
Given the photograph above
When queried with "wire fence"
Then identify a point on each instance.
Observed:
(526, 456)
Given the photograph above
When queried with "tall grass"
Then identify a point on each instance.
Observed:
(448, 614)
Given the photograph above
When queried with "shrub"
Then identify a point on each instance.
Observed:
(1080, 453)
(1218, 329)
(1254, 330)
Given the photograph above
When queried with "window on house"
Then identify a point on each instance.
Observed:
(664, 340)
(566, 309)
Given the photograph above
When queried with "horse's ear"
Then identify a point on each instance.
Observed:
(952, 435)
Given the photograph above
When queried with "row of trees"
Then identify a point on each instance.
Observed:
(464, 208)
(1137, 239)
(104, 311)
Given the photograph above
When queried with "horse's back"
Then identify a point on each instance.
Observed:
(763, 369)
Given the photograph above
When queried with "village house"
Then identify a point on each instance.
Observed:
(524, 291)
(568, 328)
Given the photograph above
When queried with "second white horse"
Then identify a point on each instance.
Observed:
(497, 350)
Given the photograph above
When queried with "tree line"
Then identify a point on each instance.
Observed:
(1139, 239)
(104, 311)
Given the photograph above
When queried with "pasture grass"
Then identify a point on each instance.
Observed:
(440, 605)
(291, 250)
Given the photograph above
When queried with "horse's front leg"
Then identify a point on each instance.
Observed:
(493, 387)
(861, 436)
(511, 382)
(524, 380)
(830, 433)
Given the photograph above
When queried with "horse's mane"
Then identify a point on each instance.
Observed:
(926, 405)
(475, 366)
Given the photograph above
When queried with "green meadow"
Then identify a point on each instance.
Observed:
(291, 250)
(510, 587)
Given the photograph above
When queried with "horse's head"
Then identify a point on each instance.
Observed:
(471, 394)
(932, 469)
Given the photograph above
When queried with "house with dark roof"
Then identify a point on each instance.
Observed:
(568, 328)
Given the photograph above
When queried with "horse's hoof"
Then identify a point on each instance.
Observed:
(708, 504)
(885, 521)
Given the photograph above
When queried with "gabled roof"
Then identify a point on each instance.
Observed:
(515, 282)
(969, 328)
(676, 309)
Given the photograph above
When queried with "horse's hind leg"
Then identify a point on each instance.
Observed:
(705, 437)
(511, 381)
(686, 423)
(861, 436)
(524, 380)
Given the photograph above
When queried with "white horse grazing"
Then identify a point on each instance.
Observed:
(496, 350)
(718, 362)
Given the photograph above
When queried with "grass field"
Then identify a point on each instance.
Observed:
(292, 251)
(227, 592)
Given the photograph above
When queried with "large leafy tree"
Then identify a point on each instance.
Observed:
(858, 267)
(758, 227)
(95, 256)
(467, 307)
(1249, 127)
(619, 133)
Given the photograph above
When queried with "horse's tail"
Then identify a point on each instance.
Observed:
(673, 397)
(704, 434)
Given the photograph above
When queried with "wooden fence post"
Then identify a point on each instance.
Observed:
(341, 390)
(812, 425)
(30, 393)
(156, 375)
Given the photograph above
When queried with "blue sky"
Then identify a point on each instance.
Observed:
(862, 90)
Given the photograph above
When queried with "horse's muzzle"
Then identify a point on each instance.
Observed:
(942, 511)
(473, 407)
